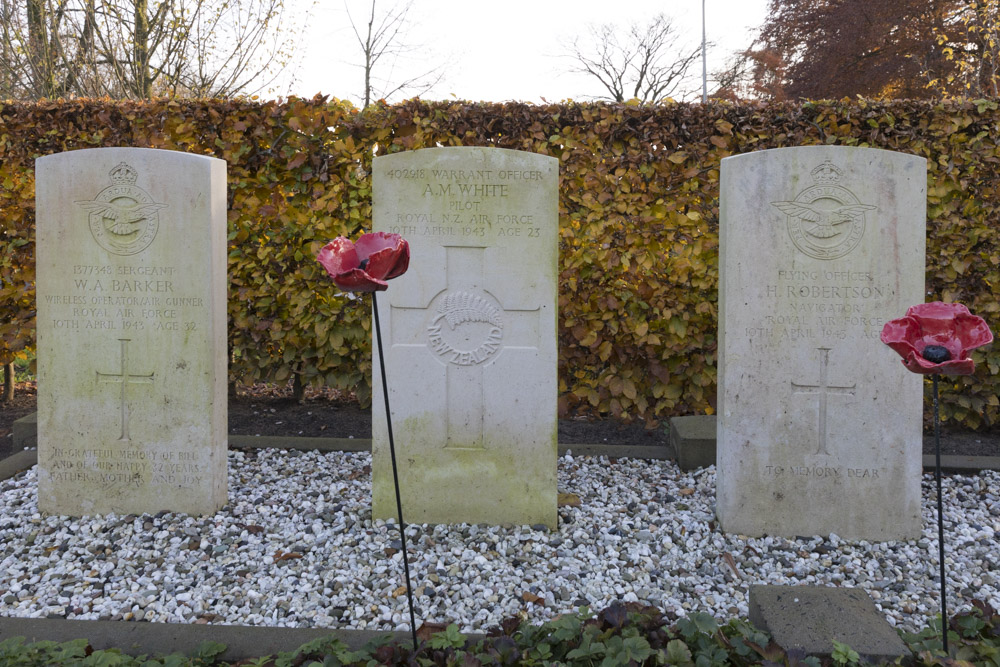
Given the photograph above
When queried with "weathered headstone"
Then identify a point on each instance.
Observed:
(131, 295)
(819, 425)
(470, 336)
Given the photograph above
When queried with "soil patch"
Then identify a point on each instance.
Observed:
(266, 410)
(272, 411)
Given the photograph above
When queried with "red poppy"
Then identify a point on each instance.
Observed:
(365, 265)
(936, 338)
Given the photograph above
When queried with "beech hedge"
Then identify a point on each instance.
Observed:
(638, 217)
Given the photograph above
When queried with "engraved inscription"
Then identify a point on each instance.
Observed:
(468, 203)
(114, 469)
(825, 221)
(823, 305)
(824, 472)
(823, 390)
(124, 378)
(123, 218)
(124, 298)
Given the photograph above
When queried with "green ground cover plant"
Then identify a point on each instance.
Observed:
(621, 635)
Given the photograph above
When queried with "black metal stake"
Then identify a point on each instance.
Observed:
(395, 473)
(940, 513)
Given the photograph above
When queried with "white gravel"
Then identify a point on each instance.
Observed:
(297, 547)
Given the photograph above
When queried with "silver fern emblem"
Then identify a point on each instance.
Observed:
(461, 307)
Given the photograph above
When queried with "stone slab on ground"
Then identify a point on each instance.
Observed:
(18, 461)
(812, 617)
(693, 440)
(693, 437)
(7, 447)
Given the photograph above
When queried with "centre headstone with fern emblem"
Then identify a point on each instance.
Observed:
(470, 336)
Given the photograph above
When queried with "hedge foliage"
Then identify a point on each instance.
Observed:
(638, 223)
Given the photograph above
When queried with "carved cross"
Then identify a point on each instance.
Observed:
(823, 391)
(465, 328)
(124, 378)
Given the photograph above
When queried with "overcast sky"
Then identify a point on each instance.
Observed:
(500, 50)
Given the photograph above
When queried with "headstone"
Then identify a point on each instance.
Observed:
(811, 618)
(469, 334)
(131, 296)
(819, 427)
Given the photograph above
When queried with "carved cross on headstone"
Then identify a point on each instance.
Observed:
(823, 390)
(465, 328)
(124, 378)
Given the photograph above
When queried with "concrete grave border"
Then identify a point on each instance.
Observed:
(690, 441)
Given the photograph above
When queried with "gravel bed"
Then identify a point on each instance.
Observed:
(296, 547)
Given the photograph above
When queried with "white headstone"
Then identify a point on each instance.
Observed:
(470, 337)
(819, 425)
(131, 296)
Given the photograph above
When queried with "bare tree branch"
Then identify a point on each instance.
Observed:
(647, 62)
(142, 48)
(383, 37)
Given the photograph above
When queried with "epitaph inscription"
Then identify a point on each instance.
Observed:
(470, 355)
(818, 428)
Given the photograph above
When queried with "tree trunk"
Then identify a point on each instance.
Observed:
(8, 382)
(298, 388)
(369, 59)
(86, 50)
(140, 52)
(7, 84)
(38, 45)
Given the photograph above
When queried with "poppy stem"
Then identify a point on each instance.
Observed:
(395, 472)
(940, 513)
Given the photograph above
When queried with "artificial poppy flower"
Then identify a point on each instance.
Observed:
(365, 265)
(937, 337)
